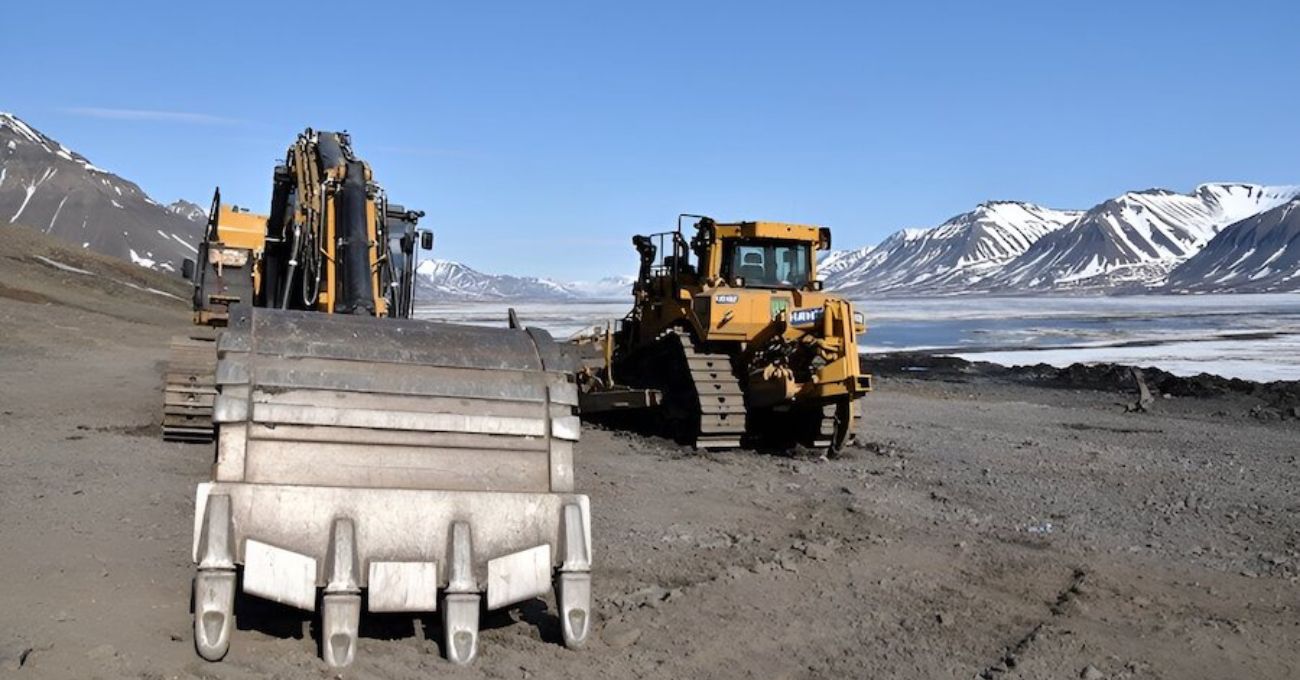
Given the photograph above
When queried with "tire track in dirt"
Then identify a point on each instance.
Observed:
(1013, 653)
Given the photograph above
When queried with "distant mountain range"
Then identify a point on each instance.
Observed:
(959, 253)
(442, 280)
(1220, 237)
(1261, 253)
(53, 189)
(1131, 243)
(188, 210)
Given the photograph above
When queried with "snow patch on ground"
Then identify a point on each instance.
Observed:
(30, 189)
(1246, 359)
(142, 261)
(63, 266)
(183, 242)
(560, 319)
(56, 214)
(1253, 336)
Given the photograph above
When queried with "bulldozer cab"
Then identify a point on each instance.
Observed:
(740, 255)
(755, 269)
(760, 254)
(763, 263)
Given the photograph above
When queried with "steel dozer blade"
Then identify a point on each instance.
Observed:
(395, 466)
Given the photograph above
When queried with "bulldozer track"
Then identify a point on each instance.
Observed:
(705, 404)
(719, 398)
(190, 390)
(825, 427)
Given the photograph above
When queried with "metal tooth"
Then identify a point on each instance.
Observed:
(341, 604)
(573, 595)
(460, 604)
(340, 621)
(577, 553)
(573, 586)
(214, 584)
(460, 627)
(214, 607)
(460, 569)
(216, 549)
(342, 558)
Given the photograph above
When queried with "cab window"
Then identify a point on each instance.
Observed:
(767, 264)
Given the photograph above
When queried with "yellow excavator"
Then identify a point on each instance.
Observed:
(364, 460)
(279, 261)
(732, 340)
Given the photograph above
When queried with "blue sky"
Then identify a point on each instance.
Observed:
(539, 136)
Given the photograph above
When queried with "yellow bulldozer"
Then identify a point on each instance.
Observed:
(732, 340)
(364, 460)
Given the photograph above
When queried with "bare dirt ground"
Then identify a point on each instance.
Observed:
(982, 528)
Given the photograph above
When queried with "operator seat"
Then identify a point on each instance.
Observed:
(751, 268)
(789, 267)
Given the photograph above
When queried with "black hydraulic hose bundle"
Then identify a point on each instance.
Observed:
(355, 294)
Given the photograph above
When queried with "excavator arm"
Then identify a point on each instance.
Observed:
(330, 251)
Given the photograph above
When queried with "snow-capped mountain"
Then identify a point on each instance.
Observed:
(46, 186)
(608, 288)
(445, 281)
(1134, 240)
(833, 262)
(189, 211)
(951, 257)
(1258, 254)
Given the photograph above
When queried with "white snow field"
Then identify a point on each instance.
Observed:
(1255, 337)
(560, 319)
